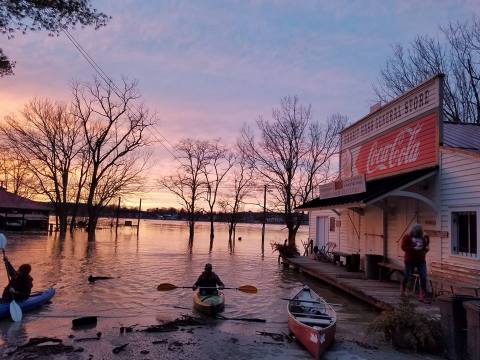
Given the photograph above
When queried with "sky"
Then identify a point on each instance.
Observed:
(206, 68)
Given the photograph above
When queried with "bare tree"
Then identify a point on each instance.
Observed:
(293, 156)
(46, 139)
(241, 180)
(16, 176)
(456, 54)
(189, 184)
(219, 163)
(114, 132)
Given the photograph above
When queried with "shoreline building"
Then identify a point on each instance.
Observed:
(400, 165)
(19, 213)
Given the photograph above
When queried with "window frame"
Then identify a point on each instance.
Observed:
(451, 232)
(332, 221)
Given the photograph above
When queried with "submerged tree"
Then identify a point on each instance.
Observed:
(114, 133)
(456, 54)
(293, 156)
(241, 180)
(52, 16)
(218, 164)
(189, 183)
(47, 139)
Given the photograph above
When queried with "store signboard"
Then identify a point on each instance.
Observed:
(342, 187)
(401, 136)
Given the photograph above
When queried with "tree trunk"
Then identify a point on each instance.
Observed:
(292, 232)
(212, 231)
(92, 221)
(63, 222)
(191, 228)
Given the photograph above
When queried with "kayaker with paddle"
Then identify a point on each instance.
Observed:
(208, 282)
(20, 284)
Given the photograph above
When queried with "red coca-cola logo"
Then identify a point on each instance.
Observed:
(404, 150)
(408, 147)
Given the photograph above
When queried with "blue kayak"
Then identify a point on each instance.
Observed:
(33, 302)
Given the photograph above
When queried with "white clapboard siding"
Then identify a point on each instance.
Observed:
(459, 187)
(348, 237)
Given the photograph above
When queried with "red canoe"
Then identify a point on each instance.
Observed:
(312, 320)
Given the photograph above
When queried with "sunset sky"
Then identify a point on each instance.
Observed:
(208, 67)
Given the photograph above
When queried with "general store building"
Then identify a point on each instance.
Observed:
(400, 165)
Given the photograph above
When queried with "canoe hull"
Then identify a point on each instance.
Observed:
(33, 302)
(315, 341)
(209, 304)
(318, 336)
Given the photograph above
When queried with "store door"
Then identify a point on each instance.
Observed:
(321, 231)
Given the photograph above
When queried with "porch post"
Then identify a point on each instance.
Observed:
(385, 229)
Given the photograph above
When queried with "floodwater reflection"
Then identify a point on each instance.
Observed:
(160, 253)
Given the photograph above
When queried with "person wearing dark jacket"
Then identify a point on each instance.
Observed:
(21, 283)
(415, 245)
(208, 281)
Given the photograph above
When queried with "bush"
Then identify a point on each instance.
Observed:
(285, 250)
(408, 329)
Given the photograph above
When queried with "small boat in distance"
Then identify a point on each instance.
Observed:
(209, 304)
(312, 320)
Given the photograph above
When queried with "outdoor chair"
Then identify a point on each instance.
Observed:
(325, 253)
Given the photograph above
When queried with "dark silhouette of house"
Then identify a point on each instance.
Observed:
(19, 213)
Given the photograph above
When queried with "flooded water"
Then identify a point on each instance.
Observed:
(160, 254)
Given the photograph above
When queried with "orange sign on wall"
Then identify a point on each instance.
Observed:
(409, 147)
(401, 136)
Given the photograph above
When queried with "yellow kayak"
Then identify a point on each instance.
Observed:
(209, 304)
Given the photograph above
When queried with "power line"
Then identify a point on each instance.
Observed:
(104, 76)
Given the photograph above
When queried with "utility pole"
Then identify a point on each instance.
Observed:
(264, 217)
(118, 213)
(139, 215)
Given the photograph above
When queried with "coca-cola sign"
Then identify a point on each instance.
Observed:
(406, 148)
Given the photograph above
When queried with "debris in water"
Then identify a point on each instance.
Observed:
(99, 335)
(274, 336)
(92, 278)
(144, 352)
(175, 325)
(156, 342)
(43, 347)
(84, 321)
(119, 349)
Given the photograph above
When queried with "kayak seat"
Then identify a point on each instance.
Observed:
(310, 321)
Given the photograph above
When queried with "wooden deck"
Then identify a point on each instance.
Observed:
(383, 295)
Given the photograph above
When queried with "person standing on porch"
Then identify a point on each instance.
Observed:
(415, 245)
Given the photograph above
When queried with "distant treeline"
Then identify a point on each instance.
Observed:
(172, 213)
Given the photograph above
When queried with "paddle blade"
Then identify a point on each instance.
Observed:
(166, 287)
(3, 241)
(15, 311)
(250, 289)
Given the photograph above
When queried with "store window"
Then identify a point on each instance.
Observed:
(332, 224)
(465, 233)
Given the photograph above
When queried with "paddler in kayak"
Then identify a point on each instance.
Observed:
(21, 283)
(208, 282)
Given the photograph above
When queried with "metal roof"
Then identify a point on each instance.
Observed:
(461, 135)
(9, 200)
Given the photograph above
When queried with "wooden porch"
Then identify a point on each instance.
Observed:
(383, 295)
